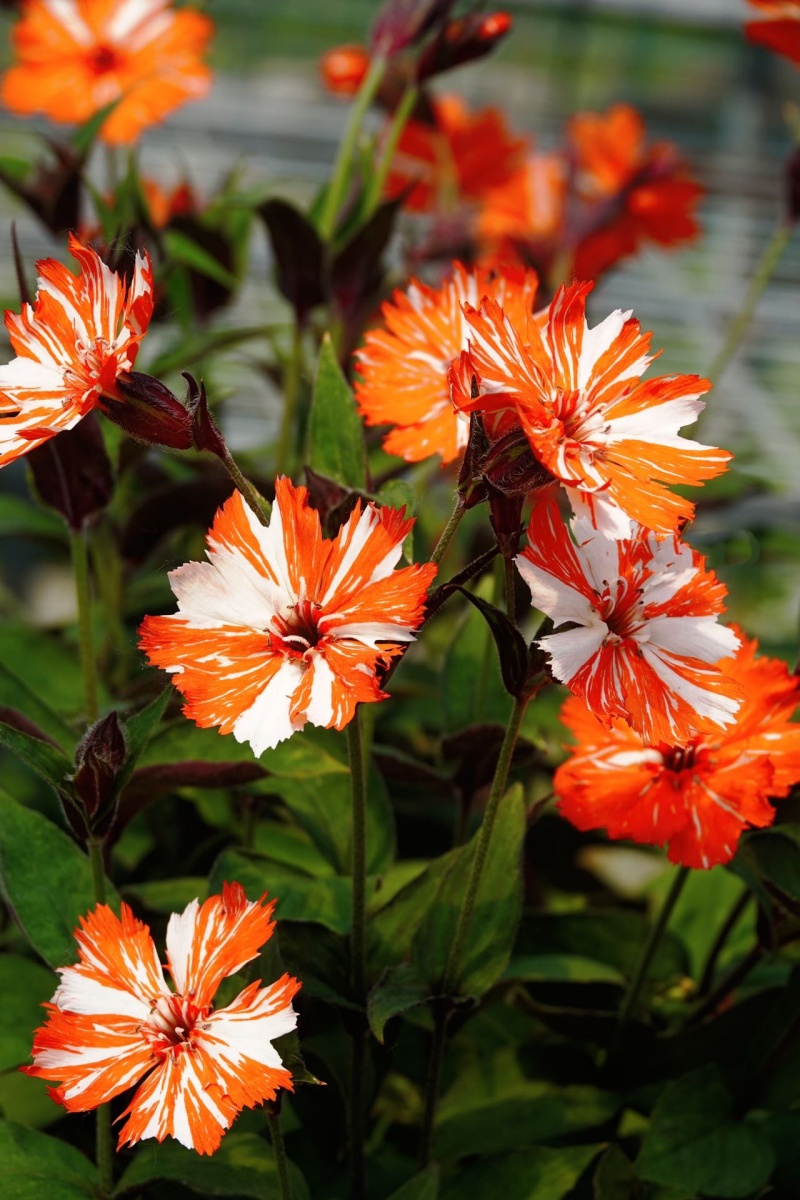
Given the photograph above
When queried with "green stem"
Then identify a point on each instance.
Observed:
(399, 121)
(358, 969)
(80, 568)
(484, 837)
(279, 1150)
(709, 970)
(769, 261)
(291, 395)
(358, 857)
(433, 1081)
(251, 494)
(338, 184)
(104, 1146)
(652, 942)
(449, 529)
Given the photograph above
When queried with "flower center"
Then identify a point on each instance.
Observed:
(104, 59)
(680, 758)
(297, 629)
(88, 366)
(171, 1023)
(620, 607)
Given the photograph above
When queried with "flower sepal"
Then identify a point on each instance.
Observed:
(149, 412)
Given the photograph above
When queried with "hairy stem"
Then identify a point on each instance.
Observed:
(251, 494)
(433, 1081)
(449, 529)
(335, 194)
(652, 942)
(291, 396)
(481, 849)
(358, 971)
(279, 1150)
(80, 568)
(104, 1146)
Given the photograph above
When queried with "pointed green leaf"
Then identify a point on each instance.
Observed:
(15, 693)
(398, 990)
(139, 729)
(243, 1166)
(498, 905)
(538, 1174)
(24, 987)
(335, 433)
(37, 1166)
(47, 761)
(46, 880)
(300, 897)
(424, 1186)
(693, 1141)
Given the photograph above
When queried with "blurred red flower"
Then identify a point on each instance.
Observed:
(780, 30)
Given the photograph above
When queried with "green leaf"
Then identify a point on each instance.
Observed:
(24, 987)
(184, 250)
(243, 1166)
(536, 1174)
(20, 518)
(193, 349)
(47, 761)
(335, 433)
(609, 936)
(15, 693)
(393, 925)
(167, 895)
(471, 686)
(300, 897)
(322, 805)
(615, 1177)
(398, 990)
(50, 669)
(84, 137)
(493, 1106)
(46, 880)
(398, 493)
(694, 1142)
(37, 1166)
(773, 855)
(183, 741)
(498, 905)
(28, 1100)
(424, 1186)
(560, 968)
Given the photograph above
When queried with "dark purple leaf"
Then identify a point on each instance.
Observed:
(205, 431)
(72, 472)
(299, 256)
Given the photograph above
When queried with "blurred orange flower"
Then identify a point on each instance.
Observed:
(646, 188)
(700, 794)
(77, 56)
(459, 158)
(404, 367)
(780, 31)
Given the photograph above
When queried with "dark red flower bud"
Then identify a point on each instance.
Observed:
(99, 758)
(402, 23)
(206, 433)
(462, 41)
(72, 472)
(149, 412)
(343, 69)
(471, 485)
(510, 467)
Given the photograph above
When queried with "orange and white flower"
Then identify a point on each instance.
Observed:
(114, 1021)
(281, 626)
(644, 642)
(75, 57)
(72, 345)
(592, 422)
(700, 794)
(779, 30)
(404, 367)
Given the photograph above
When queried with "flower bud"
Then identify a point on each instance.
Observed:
(402, 23)
(343, 69)
(462, 41)
(149, 412)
